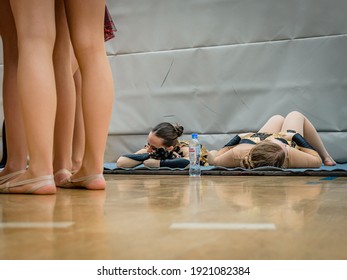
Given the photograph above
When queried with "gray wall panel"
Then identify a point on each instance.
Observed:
(154, 25)
(221, 67)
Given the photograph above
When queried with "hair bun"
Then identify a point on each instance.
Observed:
(179, 129)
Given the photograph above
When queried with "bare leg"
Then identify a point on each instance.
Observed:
(86, 22)
(36, 87)
(298, 122)
(78, 136)
(16, 145)
(66, 97)
(274, 124)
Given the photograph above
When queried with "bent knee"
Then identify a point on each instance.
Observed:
(294, 113)
(278, 118)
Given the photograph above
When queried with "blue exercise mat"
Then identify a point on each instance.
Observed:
(337, 170)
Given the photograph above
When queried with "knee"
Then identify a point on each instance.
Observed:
(89, 56)
(294, 113)
(277, 118)
(85, 47)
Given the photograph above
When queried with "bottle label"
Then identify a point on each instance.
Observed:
(194, 155)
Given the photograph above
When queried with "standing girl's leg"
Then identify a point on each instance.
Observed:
(78, 135)
(86, 24)
(36, 86)
(298, 122)
(15, 137)
(66, 97)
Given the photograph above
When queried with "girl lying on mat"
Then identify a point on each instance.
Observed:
(163, 149)
(290, 142)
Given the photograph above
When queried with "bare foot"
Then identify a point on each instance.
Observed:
(329, 162)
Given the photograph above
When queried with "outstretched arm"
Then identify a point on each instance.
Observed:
(178, 162)
(230, 157)
(172, 163)
(215, 157)
(132, 160)
(303, 158)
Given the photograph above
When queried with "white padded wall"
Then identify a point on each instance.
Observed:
(220, 67)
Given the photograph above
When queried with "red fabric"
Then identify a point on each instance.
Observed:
(109, 26)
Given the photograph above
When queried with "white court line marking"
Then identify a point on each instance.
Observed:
(36, 225)
(224, 226)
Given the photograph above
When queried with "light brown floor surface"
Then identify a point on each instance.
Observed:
(148, 217)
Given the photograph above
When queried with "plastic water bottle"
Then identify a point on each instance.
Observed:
(194, 156)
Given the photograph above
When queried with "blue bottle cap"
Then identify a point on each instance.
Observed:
(194, 136)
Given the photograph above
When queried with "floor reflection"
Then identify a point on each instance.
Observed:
(285, 205)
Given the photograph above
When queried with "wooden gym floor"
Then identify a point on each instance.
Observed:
(176, 217)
